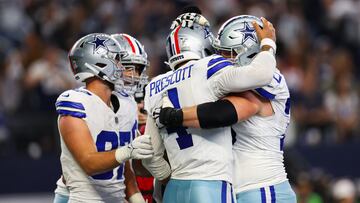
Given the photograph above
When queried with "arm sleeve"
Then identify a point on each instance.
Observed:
(157, 165)
(257, 74)
(208, 119)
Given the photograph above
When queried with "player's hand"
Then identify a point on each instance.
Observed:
(268, 31)
(142, 115)
(160, 114)
(141, 148)
(188, 19)
(156, 116)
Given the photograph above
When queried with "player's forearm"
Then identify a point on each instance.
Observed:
(238, 79)
(217, 114)
(157, 165)
(130, 181)
(139, 169)
(98, 162)
(190, 117)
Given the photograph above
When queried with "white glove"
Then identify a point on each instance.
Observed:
(139, 148)
(188, 19)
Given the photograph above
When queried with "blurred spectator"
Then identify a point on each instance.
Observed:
(309, 109)
(344, 191)
(48, 77)
(11, 89)
(305, 191)
(343, 103)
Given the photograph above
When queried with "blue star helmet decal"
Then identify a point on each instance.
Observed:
(98, 43)
(248, 32)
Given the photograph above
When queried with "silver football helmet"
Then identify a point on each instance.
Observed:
(97, 55)
(133, 58)
(184, 44)
(237, 39)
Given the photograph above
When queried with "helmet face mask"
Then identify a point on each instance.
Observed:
(134, 78)
(135, 63)
(237, 36)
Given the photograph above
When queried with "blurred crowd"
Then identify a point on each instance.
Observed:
(318, 52)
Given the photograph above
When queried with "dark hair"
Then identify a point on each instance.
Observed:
(191, 9)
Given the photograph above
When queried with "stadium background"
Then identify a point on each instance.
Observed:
(318, 52)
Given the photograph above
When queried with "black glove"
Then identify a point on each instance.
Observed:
(168, 116)
(171, 117)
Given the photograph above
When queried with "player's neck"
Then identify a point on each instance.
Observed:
(101, 89)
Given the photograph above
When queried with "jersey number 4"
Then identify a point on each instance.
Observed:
(106, 138)
(185, 139)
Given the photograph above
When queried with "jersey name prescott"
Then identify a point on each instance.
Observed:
(194, 154)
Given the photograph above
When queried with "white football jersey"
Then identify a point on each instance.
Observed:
(109, 131)
(194, 154)
(258, 150)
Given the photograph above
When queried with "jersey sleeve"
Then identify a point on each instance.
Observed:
(215, 65)
(276, 90)
(238, 79)
(152, 100)
(71, 103)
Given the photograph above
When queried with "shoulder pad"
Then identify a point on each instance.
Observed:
(71, 103)
(216, 63)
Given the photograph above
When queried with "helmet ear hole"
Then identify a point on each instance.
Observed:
(208, 52)
(117, 57)
(101, 65)
(251, 55)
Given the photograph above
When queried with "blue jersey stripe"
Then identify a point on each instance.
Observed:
(215, 60)
(265, 94)
(223, 192)
(263, 197)
(272, 193)
(71, 113)
(282, 139)
(69, 104)
(287, 106)
(174, 98)
(217, 67)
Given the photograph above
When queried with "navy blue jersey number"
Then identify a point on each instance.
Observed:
(115, 141)
(185, 139)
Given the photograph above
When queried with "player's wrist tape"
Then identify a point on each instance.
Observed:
(136, 198)
(171, 117)
(268, 42)
(216, 114)
(122, 154)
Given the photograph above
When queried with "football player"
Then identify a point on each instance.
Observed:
(132, 191)
(259, 174)
(201, 160)
(98, 122)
